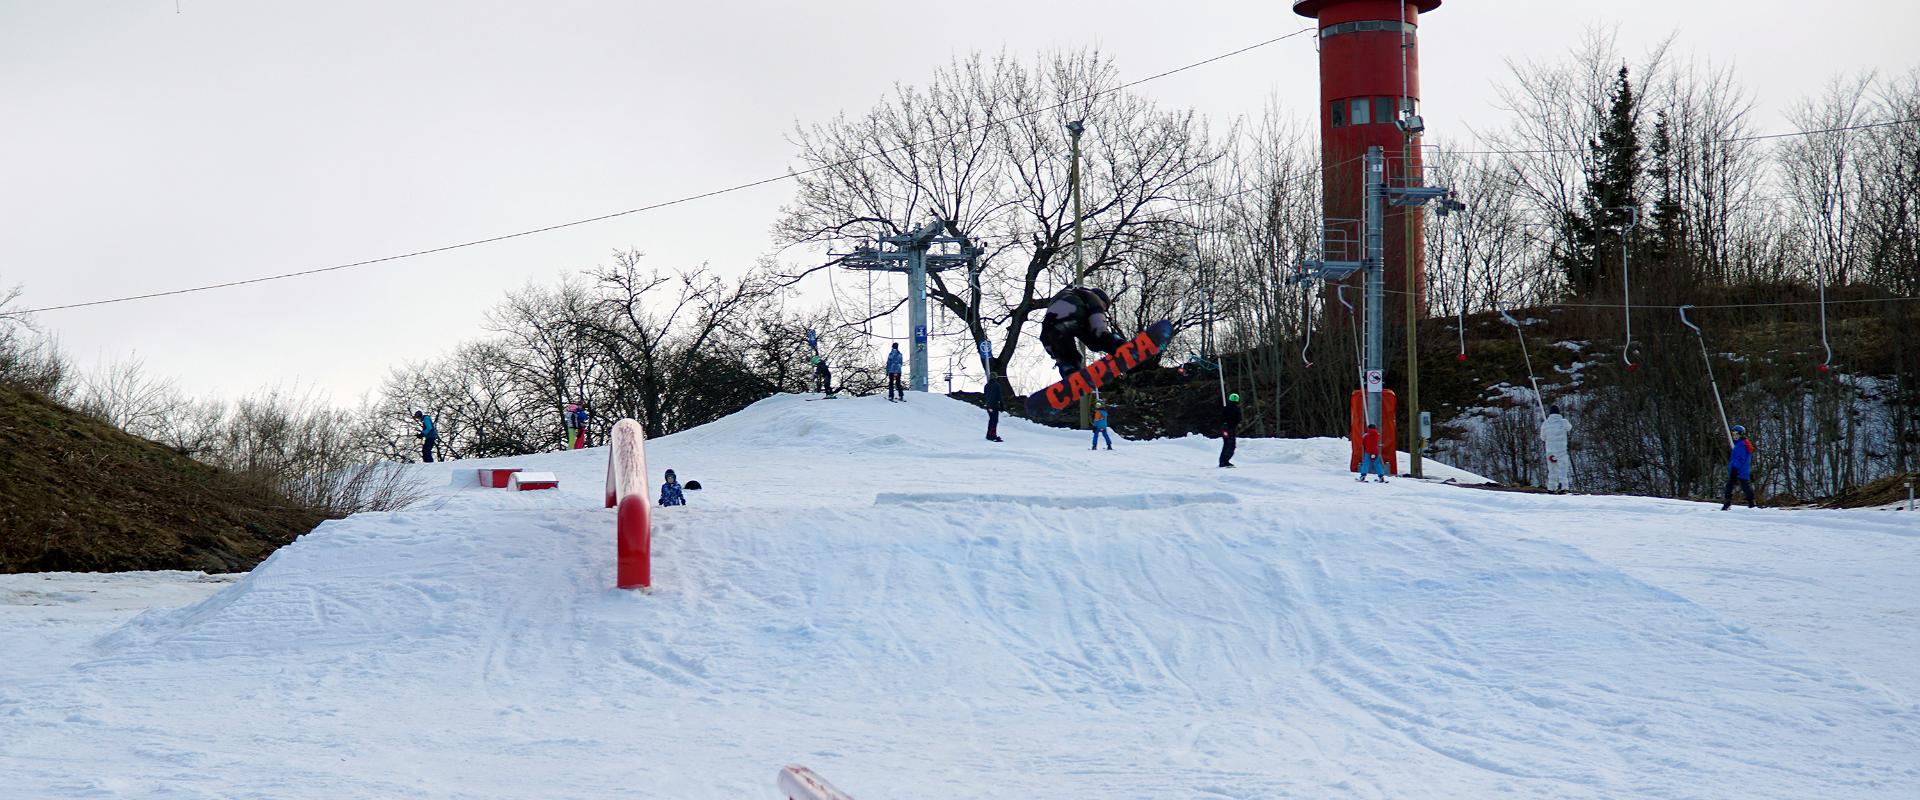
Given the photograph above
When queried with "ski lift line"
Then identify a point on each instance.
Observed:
(1704, 305)
(1754, 138)
(1287, 182)
(1207, 201)
(674, 202)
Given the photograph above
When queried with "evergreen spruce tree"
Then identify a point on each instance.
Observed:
(1667, 252)
(1590, 253)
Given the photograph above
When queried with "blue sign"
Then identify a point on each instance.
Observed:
(920, 334)
(986, 355)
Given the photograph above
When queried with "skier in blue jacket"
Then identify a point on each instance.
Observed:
(429, 436)
(670, 492)
(895, 363)
(1739, 469)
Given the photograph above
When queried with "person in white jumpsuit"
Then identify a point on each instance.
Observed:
(1554, 433)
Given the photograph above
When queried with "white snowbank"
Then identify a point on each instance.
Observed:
(875, 591)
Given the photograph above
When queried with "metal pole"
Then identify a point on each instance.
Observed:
(1415, 292)
(1539, 404)
(1212, 339)
(917, 314)
(1626, 291)
(1074, 129)
(1375, 266)
(1725, 428)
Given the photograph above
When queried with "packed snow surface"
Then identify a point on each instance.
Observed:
(873, 590)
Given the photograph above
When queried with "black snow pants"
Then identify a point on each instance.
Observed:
(428, 444)
(1226, 448)
(1746, 488)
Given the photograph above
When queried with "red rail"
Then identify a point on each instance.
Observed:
(627, 489)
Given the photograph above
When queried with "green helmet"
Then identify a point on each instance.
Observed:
(1233, 398)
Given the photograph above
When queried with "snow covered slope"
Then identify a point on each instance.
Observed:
(873, 590)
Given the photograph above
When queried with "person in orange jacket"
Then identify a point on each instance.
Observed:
(1370, 455)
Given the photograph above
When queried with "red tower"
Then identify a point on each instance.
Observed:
(1369, 69)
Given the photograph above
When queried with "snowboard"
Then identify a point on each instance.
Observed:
(1141, 350)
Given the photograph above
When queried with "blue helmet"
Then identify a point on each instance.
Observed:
(1739, 429)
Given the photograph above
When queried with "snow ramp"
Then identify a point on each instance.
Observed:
(875, 591)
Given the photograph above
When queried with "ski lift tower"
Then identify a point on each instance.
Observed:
(1367, 404)
(914, 254)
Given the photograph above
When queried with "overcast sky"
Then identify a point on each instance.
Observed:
(143, 150)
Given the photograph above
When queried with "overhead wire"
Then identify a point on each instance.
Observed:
(674, 202)
(1727, 140)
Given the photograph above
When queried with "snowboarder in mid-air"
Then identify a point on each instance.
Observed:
(1739, 469)
(895, 363)
(1554, 433)
(1077, 314)
(670, 494)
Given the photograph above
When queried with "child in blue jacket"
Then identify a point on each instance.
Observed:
(1100, 425)
(670, 492)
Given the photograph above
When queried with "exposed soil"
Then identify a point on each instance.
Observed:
(79, 495)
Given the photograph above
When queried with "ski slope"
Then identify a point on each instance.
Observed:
(873, 590)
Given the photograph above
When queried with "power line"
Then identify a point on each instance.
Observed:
(687, 199)
(1754, 138)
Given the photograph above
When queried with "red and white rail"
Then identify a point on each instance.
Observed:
(627, 491)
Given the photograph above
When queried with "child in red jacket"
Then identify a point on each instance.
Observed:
(1370, 455)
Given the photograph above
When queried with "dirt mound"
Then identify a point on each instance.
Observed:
(79, 495)
(1886, 491)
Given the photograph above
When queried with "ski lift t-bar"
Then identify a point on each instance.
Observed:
(1538, 406)
(1725, 428)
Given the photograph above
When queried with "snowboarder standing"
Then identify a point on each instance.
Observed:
(1100, 425)
(822, 377)
(576, 426)
(1554, 432)
(429, 436)
(1739, 469)
(996, 403)
(1077, 314)
(895, 363)
(1229, 428)
(670, 494)
(1370, 455)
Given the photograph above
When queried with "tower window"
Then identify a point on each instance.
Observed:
(1365, 25)
(1359, 110)
(1339, 114)
(1383, 110)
